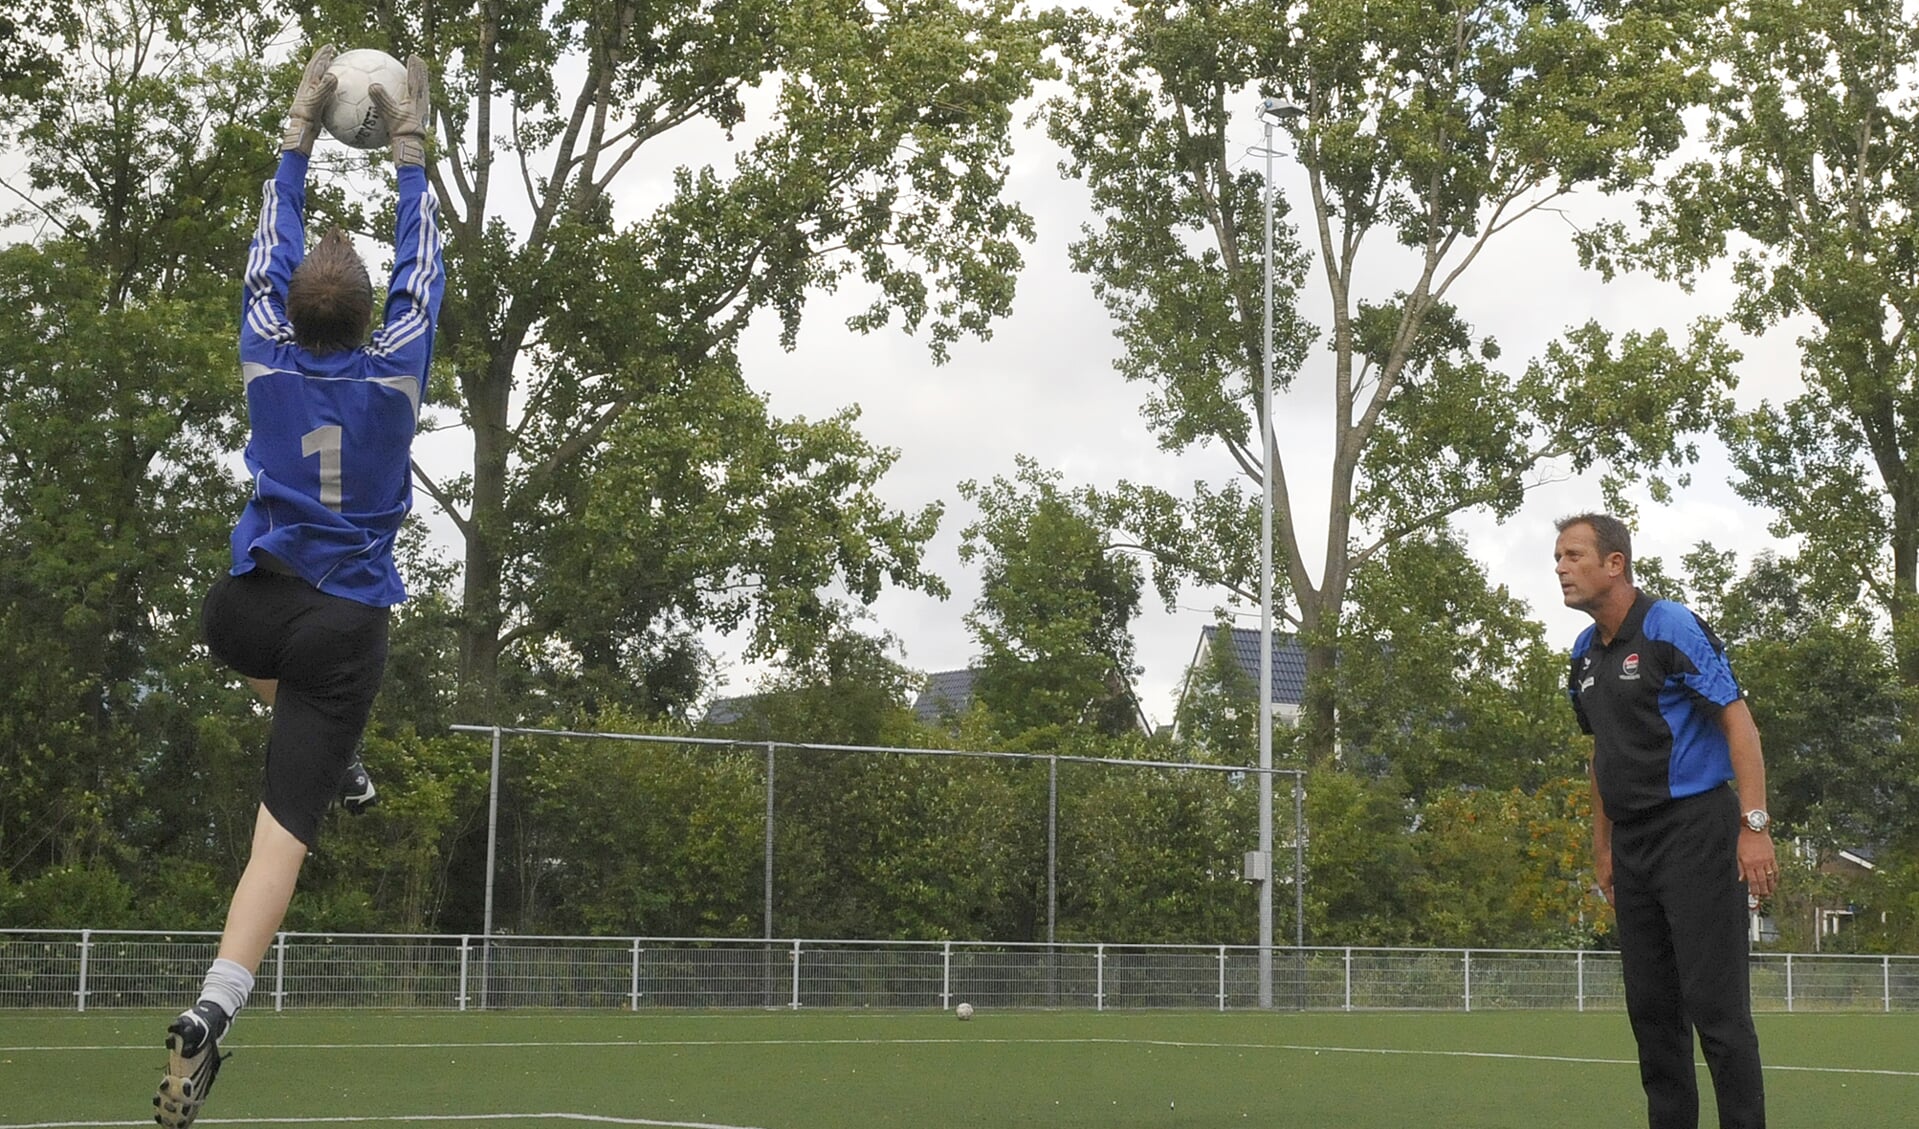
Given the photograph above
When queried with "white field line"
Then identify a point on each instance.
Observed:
(400, 1119)
(956, 1041)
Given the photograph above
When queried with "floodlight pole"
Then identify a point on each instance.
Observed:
(1052, 847)
(767, 879)
(1266, 604)
(1271, 110)
(492, 837)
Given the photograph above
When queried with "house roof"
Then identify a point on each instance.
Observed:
(947, 692)
(1861, 857)
(726, 711)
(1289, 660)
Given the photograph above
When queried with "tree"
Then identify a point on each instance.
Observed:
(622, 838)
(118, 394)
(140, 161)
(1218, 712)
(627, 487)
(1509, 868)
(30, 38)
(1893, 892)
(1809, 185)
(1445, 682)
(1154, 854)
(1055, 609)
(1842, 770)
(848, 691)
(1435, 128)
(1362, 873)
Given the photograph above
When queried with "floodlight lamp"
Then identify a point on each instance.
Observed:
(1282, 111)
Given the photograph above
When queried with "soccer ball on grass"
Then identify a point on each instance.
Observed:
(352, 117)
(964, 1011)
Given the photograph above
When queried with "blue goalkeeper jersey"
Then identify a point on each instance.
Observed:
(330, 452)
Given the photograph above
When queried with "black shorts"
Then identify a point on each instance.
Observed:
(328, 655)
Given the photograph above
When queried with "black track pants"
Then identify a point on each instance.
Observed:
(1682, 938)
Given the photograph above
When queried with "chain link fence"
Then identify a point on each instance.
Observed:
(102, 969)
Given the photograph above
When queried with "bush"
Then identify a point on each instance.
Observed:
(71, 897)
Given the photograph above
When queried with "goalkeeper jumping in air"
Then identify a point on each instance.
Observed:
(303, 612)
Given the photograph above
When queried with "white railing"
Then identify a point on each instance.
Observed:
(99, 969)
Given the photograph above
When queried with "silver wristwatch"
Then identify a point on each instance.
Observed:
(1758, 820)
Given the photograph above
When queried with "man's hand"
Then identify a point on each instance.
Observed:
(1602, 873)
(309, 102)
(407, 116)
(1757, 864)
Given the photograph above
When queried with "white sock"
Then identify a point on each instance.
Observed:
(228, 985)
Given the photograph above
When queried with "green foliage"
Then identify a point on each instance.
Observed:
(390, 868)
(1888, 921)
(1808, 185)
(1055, 609)
(703, 510)
(917, 847)
(148, 148)
(849, 691)
(1437, 128)
(1804, 889)
(31, 38)
(118, 394)
(1362, 868)
(611, 837)
(1218, 719)
(591, 337)
(1445, 682)
(1502, 868)
(1510, 868)
(1841, 764)
(630, 490)
(1835, 719)
(1155, 854)
(74, 897)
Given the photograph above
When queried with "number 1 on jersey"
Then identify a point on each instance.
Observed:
(325, 442)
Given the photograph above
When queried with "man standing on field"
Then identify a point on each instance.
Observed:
(1675, 850)
(302, 614)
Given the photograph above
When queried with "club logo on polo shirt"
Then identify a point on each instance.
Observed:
(1629, 668)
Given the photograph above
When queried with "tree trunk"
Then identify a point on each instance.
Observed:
(1904, 612)
(482, 617)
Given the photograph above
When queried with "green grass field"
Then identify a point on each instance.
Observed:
(840, 1070)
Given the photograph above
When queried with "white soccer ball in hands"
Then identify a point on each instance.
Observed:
(352, 117)
(964, 1011)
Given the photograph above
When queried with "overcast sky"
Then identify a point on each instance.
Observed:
(1045, 386)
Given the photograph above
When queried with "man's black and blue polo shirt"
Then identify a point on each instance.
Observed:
(1651, 700)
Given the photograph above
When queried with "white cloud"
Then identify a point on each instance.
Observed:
(1045, 386)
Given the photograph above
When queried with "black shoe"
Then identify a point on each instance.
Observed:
(193, 1061)
(357, 792)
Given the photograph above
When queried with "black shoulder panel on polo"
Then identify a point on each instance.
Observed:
(1633, 695)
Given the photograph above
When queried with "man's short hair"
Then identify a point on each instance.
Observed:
(1609, 533)
(330, 296)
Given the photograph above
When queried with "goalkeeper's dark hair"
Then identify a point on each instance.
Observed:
(330, 297)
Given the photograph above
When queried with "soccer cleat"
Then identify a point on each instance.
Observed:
(193, 1061)
(357, 792)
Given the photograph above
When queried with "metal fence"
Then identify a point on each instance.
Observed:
(103, 969)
